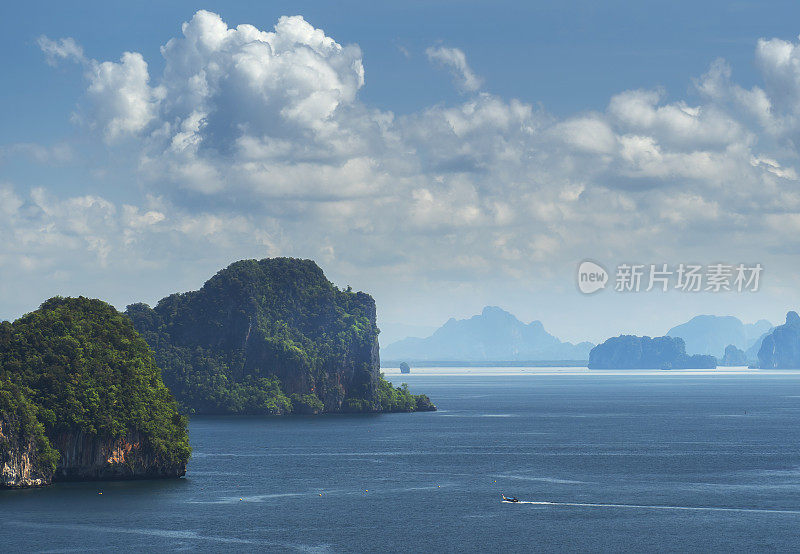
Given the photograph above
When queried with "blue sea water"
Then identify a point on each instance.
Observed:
(646, 461)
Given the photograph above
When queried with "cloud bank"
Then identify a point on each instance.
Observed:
(258, 138)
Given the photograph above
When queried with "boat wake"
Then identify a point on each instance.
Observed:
(662, 507)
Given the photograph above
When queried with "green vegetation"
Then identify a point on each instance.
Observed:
(78, 365)
(21, 427)
(269, 336)
(399, 399)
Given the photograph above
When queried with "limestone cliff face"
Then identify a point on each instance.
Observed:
(353, 369)
(355, 372)
(19, 465)
(82, 457)
(85, 457)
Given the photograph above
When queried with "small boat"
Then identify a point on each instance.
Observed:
(512, 499)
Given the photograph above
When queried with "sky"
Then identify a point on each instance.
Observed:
(442, 156)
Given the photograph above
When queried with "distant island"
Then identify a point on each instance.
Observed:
(494, 335)
(632, 352)
(733, 357)
(271, 336)
(780, 349)
(497, 338)
(81, 398)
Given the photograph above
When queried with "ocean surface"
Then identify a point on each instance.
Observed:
(602, 461)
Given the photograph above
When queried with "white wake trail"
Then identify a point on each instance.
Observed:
(662, 507)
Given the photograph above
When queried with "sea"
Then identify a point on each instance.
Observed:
(601, 461)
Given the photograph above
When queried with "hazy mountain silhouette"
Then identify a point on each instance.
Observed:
(494, 335)
(710, 334)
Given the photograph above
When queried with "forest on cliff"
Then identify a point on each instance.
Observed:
(77, 366)
(271, 336)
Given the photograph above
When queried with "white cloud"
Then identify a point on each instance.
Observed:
(256, 141)
(90, 245)
(56, 154)
(455, 59)
(10, 203)
(681, 125)
(591, 134)
(779, 63)
(122, 101)
(63, 49)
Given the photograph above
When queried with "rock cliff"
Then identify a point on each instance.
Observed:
(19, 461)
(82, 457)
(85, 457)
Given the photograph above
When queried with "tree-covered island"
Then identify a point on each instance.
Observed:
(271, 336)
(81, 398)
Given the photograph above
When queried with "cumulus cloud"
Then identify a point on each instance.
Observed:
(259, 138)
(779, 63)
(121, 99)
(456, 61)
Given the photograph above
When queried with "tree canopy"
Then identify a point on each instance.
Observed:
(77, 364)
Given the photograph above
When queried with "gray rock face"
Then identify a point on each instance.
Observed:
(82, 457)
(18, 461)
(632, 352)
(89, 458)
(781, 348)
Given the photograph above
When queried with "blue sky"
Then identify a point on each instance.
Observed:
(595, 130)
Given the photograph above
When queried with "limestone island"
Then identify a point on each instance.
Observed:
(780, 349)
(632, 352)
(271, 337)
(81, 398)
